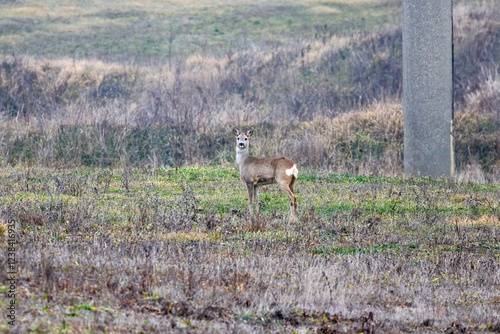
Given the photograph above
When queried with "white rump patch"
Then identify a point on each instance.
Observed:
(292, 170)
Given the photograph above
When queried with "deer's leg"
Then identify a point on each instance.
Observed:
(293, 199)
(250, 188)
(256, 197)
(292, 189)
(292, 185)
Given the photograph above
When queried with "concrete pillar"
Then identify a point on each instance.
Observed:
(428, 87)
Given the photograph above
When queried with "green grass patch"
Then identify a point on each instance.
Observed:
(118, 30)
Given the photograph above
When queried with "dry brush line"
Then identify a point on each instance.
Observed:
(89, 112)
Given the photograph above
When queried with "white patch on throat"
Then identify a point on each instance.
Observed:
(292, 170)
(240, 154)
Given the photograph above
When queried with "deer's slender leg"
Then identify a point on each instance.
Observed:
(292, 188)
(250, 188)
(292, 185)
(293, 199)
(256, 197)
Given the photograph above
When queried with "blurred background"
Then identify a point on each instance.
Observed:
(162, 83)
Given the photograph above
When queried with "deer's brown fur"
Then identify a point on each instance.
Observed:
(256, 172)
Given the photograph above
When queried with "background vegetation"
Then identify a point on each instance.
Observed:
(109, 84)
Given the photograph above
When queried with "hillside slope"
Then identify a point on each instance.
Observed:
(162, 80)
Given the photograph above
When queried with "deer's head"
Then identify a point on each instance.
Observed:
(242, 138)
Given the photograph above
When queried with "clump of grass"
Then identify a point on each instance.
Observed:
(3, 229)
(477, 140)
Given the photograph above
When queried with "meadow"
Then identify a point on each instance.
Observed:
(117, 165)
(171, 250)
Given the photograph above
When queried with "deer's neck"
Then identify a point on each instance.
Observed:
(241, 155)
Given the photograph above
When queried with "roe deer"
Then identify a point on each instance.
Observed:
(256, 172)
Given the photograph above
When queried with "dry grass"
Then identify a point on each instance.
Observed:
(158, 250)
(330, 101)
(484, 220)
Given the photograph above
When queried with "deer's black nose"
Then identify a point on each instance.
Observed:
(241, 144)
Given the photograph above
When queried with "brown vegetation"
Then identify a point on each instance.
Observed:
(73, 112)
(134, 250)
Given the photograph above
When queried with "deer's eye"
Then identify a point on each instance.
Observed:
(246, 138)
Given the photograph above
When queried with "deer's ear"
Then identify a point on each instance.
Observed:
(236, 132)
(250, 133)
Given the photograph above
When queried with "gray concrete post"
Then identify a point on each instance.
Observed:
(428, 88)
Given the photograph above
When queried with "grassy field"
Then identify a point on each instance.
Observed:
(157, 30)
(159, 250)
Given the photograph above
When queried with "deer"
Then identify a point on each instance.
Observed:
(255, 172)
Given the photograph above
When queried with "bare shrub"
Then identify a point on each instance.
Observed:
(486, 99)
